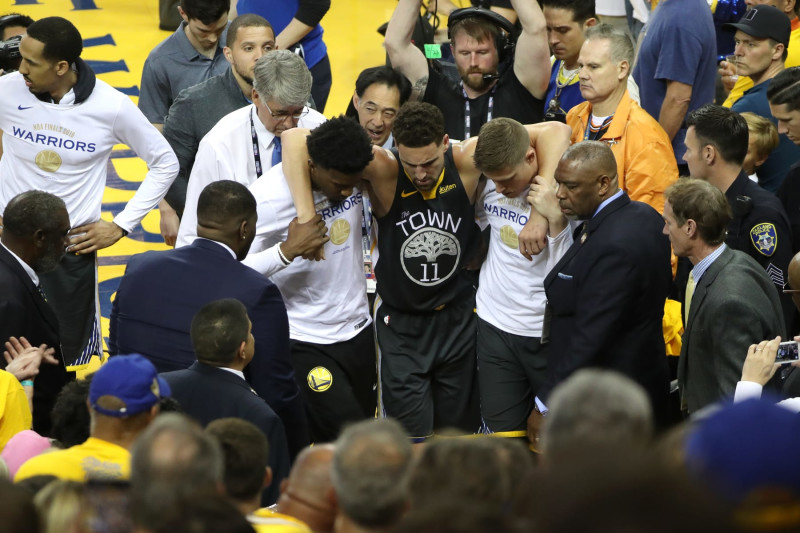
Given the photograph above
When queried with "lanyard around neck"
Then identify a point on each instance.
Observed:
(467, 124)
(256, 150)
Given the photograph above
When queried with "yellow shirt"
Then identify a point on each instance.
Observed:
(792, 60)
(15, 413)
(267, 521)
(94, 459)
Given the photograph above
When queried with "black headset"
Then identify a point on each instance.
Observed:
(506, 36)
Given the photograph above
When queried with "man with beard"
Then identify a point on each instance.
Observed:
(60, 124)
(34, 241)
(490, 85)
(197, 109)
(247, 142)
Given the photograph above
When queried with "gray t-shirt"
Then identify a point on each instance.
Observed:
(173, 66)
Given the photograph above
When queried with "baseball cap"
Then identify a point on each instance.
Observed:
(133, 380)
(747, 447)
(764, 22)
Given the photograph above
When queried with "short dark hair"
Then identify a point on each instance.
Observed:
(721, 128)
(340, 144)
(418, 124)
(595, 154)
(206, 11)
(785, 88)
(31, 211)
(582, 10)
(218, 329)
(14, 19)
(702, 202)
(383, 75)
(224, 202)
(62, 40)
(70, 415)
(246, 453)
(248, 20)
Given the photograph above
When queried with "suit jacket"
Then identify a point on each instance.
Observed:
(207, 393)
(161, 292)
(24, 313)
(735, 304)
(606, 300)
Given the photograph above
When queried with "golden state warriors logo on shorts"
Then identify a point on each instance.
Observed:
(764, 238)
(319, 379)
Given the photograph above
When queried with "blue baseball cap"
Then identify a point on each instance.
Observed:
(131, 379)
(747, 447)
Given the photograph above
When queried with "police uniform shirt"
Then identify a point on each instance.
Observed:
(64, 148)
(759, 227)
(423, 242)
(326, 300)
(511, 293)
(226, 153)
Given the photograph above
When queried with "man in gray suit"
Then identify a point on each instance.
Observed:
(730, 301)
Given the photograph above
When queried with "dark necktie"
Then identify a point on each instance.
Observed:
(39, 288)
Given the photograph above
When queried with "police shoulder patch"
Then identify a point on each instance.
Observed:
(764, 238)
(319, 379)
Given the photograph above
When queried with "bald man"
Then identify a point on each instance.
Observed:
(606, 294)
(308, 493)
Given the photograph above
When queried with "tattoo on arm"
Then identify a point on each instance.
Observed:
(418, 91)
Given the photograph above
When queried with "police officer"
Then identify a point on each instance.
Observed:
(716, 145)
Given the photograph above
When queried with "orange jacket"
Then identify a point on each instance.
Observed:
(645, 162)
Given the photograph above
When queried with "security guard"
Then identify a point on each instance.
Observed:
(716, 144)
(761, 229)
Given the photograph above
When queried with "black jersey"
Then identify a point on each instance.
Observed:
(423, 242)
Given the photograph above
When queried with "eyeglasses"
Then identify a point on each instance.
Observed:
(280, 116)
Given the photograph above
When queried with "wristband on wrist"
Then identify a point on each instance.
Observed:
(27, 383)
(284, 260)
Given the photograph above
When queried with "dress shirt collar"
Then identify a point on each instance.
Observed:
(608, 201)
(230, 250)
(702, 265)
(25, 266)
(232, 371)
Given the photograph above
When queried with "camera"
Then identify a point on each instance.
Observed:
(787, 352)
(554, 112)
(10, 57)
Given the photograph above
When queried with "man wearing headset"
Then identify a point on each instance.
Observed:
(491, 85)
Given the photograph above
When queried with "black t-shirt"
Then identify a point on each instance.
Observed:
(510, 99)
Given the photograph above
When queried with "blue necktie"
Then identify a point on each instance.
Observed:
(276, 151)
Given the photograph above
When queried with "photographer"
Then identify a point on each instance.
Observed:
(11, 25)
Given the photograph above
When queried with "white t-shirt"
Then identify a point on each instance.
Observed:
(226, 153)
(511, 293)
(64, 149)
(326, 300)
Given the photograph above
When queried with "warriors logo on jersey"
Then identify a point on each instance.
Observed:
(340, 230)
(430, 256)
(319, 379)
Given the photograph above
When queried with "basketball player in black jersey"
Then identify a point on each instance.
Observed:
(422, 195)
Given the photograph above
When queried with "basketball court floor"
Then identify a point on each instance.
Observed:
(118, 35)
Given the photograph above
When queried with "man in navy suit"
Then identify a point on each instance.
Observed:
(214, 386)
(34, 240)
(606, 295)
(162, 291)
